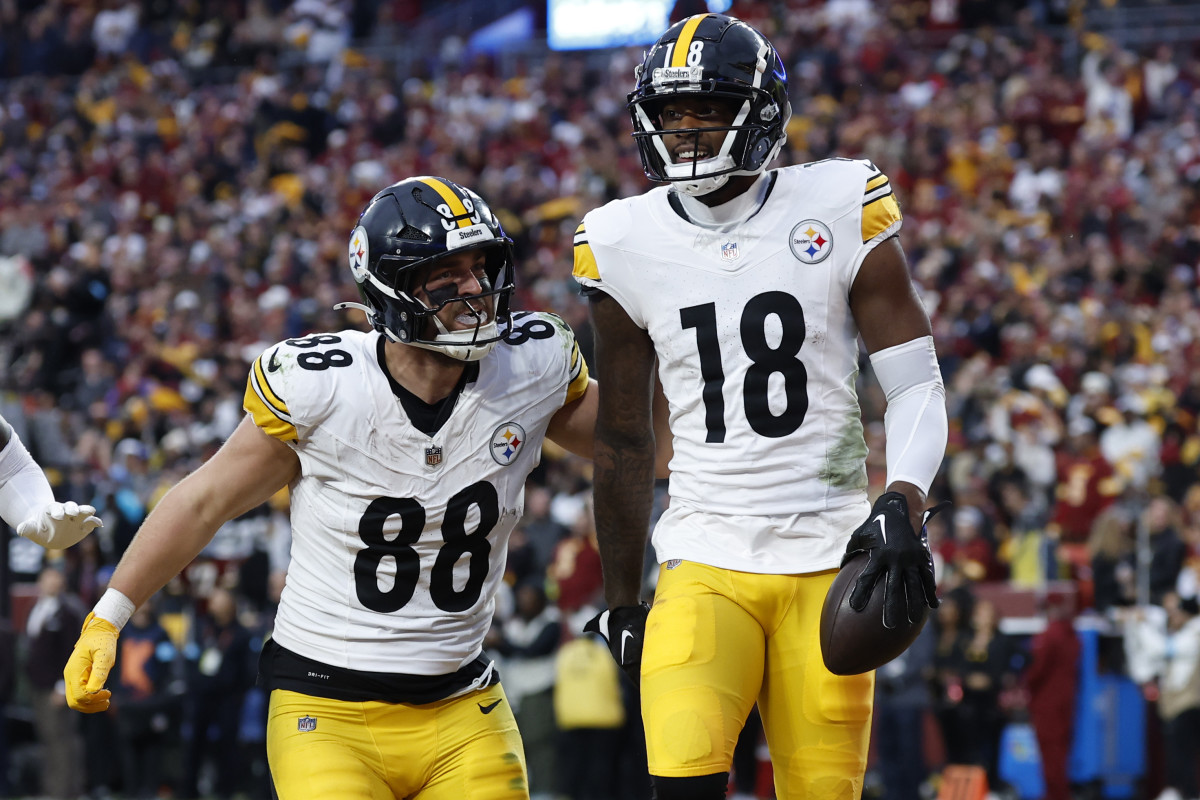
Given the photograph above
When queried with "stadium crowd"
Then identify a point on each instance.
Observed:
(179, 181)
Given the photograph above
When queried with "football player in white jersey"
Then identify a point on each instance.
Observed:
(750, 288)
(406, 452)
(27, 502)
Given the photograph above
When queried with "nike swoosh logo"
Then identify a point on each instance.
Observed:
(273, 365)
(626, 638)
(881, 519)
(489, 707)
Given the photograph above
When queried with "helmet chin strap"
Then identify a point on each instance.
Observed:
(702, 184)
(451, 344)
(460, 344)
(457, 345)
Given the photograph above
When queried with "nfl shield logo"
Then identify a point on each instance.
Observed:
(433, 455)
(306, 724)
(729, 251)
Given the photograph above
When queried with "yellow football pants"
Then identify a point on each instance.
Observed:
(717, 641)
(466, 748)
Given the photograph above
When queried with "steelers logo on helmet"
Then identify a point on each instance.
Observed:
(811, 241)
(401, 234)
(721, 59)
(507, 441)
(360, 253)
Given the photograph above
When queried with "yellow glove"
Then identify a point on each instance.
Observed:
(87, 668)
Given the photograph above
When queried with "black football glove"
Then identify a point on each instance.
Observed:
(623, 628)
(894, 550)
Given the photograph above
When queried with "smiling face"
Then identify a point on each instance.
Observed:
(457, 275)
(685, 112)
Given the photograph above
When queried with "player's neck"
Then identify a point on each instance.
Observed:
(428, 374)
(732, 204)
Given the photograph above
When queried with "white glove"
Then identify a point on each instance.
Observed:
(57, 526)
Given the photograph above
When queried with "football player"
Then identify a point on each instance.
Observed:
(27, 502)
(751, 288)
(406, 452)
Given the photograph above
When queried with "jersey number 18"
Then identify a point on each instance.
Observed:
(765, 362)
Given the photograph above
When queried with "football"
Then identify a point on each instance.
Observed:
(856, 641)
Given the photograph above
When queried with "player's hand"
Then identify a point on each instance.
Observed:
(57, 526)
(898, 555)
(624, 629)
(87, 668)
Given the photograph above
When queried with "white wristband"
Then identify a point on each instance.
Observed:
(114, 607)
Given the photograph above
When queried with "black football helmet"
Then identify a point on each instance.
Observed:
(720, 57)
(409, 225)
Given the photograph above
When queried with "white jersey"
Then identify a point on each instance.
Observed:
(399, 538)
(758, 357)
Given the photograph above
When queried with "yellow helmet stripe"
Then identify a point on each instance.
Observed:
(679, 54)
(452, 200)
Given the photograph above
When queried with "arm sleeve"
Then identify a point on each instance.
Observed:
(915, 422)
(23, 486)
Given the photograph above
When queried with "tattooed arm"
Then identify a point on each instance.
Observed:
(625, 454)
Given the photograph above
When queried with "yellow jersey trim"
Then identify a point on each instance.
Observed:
(579, 375)
(585, 259)
(876, 182)
(269, 412)
(881, 210)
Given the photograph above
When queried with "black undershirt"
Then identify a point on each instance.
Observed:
(426, 417)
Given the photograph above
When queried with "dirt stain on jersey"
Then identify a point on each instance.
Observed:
(846, 459)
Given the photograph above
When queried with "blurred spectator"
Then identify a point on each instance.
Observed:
(1086, 483)
(541, 529)
(1167, 549)
(114, 27)
(575, 569)
(148, 712)
(589, 713)
(970, 551)
(1162, 644)
(1112, 551)
(1027, 549)
(1051, 680)
(8, 676)
(902, 700)
(950, 625)
(985, 659)
(1131, 444)
(528, 642)
(52, 626)
(221, 667)
(1109, 105)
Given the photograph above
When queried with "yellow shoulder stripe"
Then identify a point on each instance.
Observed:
(269, 412)
(258, 377)
(579, 375)
(585, 261)
(880, 210)
(876, 182)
